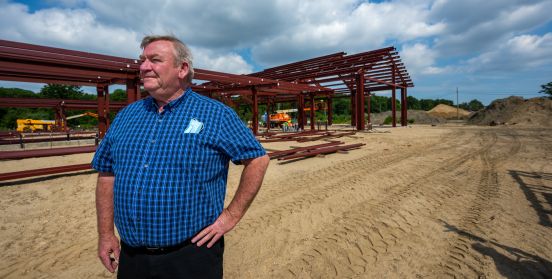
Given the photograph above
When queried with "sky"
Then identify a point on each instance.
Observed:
(487, 49)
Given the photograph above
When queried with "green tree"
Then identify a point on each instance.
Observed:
(342, 106)
(17, 93)
(413, 103)
(547, 89)
(119, 95)
(380, 103)
(66, 92)
(475, 105)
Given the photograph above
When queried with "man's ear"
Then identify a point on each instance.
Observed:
(183, 70)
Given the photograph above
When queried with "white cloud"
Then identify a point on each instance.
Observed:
(227, 63)
(66, 28)
(518, 53)
(80, 29)
(432, 35)
(350, 26)
(420, 60)
(478, 26)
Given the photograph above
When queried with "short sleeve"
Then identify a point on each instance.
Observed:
(102, 161)
(236, 140)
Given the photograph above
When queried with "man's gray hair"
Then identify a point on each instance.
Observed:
(181, 51)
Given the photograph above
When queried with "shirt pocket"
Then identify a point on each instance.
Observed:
(190, 151)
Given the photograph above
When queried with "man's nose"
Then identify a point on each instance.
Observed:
(145, 66)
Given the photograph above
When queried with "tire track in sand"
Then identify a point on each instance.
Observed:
(380, 226)
(461, 260)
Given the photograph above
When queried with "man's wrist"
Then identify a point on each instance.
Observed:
(106, 234)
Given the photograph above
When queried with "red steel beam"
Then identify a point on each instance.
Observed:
(11, 155)
(44, 171)
(281, 153)
(52, 103)
(27, 140)
(318, 151)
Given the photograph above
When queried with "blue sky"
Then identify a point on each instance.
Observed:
(487, 49)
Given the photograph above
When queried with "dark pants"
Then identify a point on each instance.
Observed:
(189, 261)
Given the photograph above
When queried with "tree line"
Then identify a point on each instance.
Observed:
(8, 116)
(341, 106)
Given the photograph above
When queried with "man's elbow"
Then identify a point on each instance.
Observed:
(259, 162)
(264, 161)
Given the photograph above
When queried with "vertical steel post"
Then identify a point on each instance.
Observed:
(255, 123)
(359, 77)
(106, 106)
(330, 110)
(393, 99)
(353, 107)
(301, 111)
(403, 108)
(132, 92)
(369, 109)
(312, 105)
(102, 127)
(268, 110)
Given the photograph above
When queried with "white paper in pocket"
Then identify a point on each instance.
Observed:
(194, 127)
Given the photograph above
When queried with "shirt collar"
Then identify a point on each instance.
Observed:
(172, 105)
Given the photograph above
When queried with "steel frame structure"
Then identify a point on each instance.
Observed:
(354, 76)
(325, 77)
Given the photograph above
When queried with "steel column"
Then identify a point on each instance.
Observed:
(102, 124)
(353, 107)
(268, 110)
(369, 109)
(312, 114)
(255, 124)
(330, 110)
(403, 108)
(393, 99)
(359, 79)
(301, 111)
(132, 91)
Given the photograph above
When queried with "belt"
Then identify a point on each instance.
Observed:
(155, 250)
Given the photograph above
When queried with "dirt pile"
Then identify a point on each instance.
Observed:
(515, 111)
(449, 112)
(418, 116)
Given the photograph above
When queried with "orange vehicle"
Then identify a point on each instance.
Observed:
(279, 118)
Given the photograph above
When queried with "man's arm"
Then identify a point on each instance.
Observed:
(107, 241)
(250, 182)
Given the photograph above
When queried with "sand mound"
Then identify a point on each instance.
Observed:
(419, 117)
(449, 112)
(515, 110)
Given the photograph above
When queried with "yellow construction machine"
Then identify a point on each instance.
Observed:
(33, 125)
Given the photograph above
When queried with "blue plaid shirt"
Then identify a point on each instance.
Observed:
(170, 180)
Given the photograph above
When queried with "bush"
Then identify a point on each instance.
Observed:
(410, 121)
(388, 120)
(342, 119)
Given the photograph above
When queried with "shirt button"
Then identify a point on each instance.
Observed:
(152, 141)
(159, 120)
(146, 165)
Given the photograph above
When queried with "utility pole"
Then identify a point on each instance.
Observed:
(457, 106)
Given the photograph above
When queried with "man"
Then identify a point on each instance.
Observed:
(163, 167)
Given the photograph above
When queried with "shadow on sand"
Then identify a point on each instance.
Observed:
(537, 193)
(511, 262)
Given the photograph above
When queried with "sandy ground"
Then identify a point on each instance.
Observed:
(419, 202)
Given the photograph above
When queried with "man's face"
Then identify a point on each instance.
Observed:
(160, 75)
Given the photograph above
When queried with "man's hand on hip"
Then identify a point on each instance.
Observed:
(224, 223)
(109, 251)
